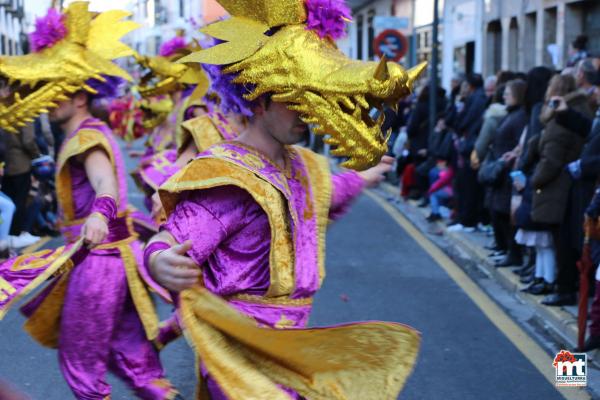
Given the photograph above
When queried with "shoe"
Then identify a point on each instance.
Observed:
(592, 343)
(4, 245)
(424, 203)
(452, 222)
(484, 228)
(492, 247)
(29, 236)
(434, 217)
(23, 240)
(456, 228)
(498, 253)
(523, 271)
(560, 299)
(527, 279)
(508, 261)
(539, 288)
(532, 283)
(469, 229)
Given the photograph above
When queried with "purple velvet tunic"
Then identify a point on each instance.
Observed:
(230, 236)
(100, 329)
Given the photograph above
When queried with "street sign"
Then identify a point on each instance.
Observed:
(398, 23)
(391, 44)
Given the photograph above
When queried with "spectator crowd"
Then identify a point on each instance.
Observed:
(516, 155)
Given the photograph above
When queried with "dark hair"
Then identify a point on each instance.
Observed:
(504, 76)
(521, 75)
(475, 80)
(588, 69)
(580, 42)
(498, 96)
(537, 84)
(517, 87)
(424, 95)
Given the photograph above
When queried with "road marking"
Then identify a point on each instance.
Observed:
(37, 245)
(518, 337)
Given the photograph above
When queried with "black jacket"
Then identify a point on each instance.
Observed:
(469, 121)
(506, 139)
(417, 128)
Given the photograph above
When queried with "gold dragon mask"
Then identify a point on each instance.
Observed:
(163, 76)
(300, 67)
(39, 80)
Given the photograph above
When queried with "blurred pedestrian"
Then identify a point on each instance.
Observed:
(552, 183)
(468, 192)
(505, 140)
(577, 50)
(21, 149)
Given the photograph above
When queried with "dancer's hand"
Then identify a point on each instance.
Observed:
(173, 269)
(94, 230)
(375, 175)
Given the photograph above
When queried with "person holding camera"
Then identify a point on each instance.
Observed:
(552, 203)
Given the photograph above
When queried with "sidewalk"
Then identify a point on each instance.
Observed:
(556, 325)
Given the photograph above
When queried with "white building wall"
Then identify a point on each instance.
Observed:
(463, 23)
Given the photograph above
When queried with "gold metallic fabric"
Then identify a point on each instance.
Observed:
(44, 323)
(269, 12)
(356, 361)
(44, 78)
(201, 130)
(85, 140)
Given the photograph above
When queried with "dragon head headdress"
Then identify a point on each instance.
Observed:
(71, 51)
(163, 76)
(285, 48)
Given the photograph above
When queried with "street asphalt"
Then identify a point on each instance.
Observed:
(375, 271)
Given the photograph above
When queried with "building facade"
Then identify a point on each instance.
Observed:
(486, 36)
(521, 34)
(161, 19)
(13, 39)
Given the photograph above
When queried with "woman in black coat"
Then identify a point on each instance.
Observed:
(417, 131)
(505, 140)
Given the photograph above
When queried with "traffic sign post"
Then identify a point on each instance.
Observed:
(391, 44)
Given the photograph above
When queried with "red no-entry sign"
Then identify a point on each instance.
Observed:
(391, 44)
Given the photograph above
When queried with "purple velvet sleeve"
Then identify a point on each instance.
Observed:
(105, 206)
(151, 249)
(207, 218)
(345, 187)
(145, 268)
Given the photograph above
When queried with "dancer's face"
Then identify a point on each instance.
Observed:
(63, 113)
(284, 125)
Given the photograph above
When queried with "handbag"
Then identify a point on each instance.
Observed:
(491, 172)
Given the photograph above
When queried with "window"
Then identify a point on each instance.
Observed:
(371, 34)
(359, 37)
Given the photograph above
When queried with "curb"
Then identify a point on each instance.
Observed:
(559, 323)
(562, 320)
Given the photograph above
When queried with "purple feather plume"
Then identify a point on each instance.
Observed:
(328, 18)
(49, 30)
(231, 94)
(170, 47)
(110, 89)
